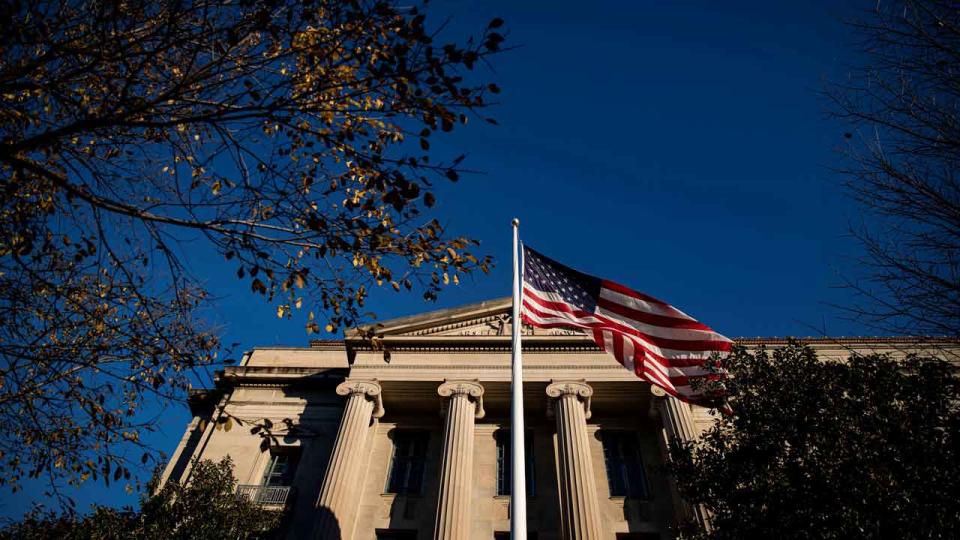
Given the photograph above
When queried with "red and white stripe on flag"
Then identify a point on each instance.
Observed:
(651, 338)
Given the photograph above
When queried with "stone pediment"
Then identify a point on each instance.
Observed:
(489, 318)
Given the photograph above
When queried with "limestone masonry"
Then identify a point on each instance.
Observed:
(407, 436)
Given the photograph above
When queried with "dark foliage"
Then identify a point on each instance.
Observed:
(207, 508)
(866, 448)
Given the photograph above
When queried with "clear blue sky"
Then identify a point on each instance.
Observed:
(679, 148)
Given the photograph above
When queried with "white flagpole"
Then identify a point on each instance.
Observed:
(518, 487)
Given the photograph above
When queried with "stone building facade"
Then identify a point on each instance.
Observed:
(407, 436)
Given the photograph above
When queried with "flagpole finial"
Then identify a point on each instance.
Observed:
(515, 222)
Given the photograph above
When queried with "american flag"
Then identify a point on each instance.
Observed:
(651, 338)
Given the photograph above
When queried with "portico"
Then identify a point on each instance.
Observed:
(407, 435)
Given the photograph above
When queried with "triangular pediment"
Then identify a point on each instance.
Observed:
(488, 318)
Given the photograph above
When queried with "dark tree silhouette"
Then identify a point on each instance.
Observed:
(291, 137)
(866, 448)
(904, 108)
(207, 507)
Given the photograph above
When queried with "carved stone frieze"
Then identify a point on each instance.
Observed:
(490, 325)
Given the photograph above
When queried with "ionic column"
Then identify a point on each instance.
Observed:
(464, 404)
(676, 415)
(679, 425)
(338, 495)
(579, 507)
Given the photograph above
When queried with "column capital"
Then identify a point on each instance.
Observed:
(657, 396)
(578, 388)
(370, 388)
(472, 389)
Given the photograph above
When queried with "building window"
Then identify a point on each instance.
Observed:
(281, 468)
(624, 465)
(504, 463)
(406, 469)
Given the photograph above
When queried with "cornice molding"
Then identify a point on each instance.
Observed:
(850, 340)
(583, 343)
(272, 376)
(432, 319)
(322, 344)
(455, 325)
(549, 343)
(283, 404)
(615, 367)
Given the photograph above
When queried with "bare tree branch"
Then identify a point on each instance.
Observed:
(904, 153)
